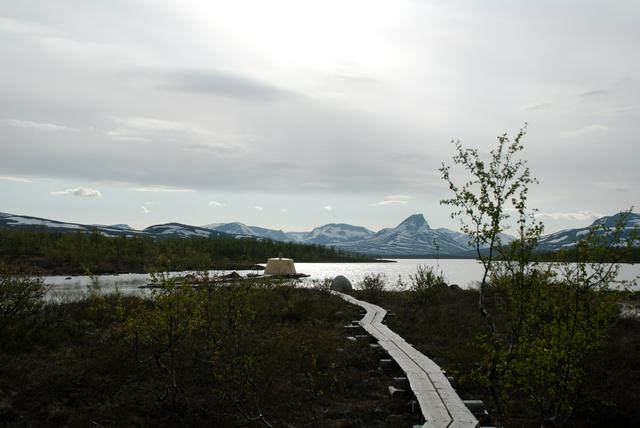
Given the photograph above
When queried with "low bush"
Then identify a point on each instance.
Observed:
(372, 286)
(21, 293)
(427, 284)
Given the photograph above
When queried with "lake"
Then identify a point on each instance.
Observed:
(464, 272)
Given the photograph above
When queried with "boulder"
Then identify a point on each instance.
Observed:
(341, 283)
(232, 275)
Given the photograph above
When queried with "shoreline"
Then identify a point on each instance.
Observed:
(230, 266)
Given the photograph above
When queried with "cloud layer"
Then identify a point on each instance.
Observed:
(183, 99)
(79, 191)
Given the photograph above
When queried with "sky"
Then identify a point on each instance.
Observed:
(291, 114)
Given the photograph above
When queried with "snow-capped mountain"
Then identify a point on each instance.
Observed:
(28, 222)
(569, 237)
(241, 229)
(332, 233)
(178, 230)
(413, 236)
(121, 226)
(169, 230)
(328, 234)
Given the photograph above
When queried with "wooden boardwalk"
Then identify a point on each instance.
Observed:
(440, 404)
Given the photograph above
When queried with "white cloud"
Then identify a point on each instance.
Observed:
(163, 189)
(16, 179)
(392, 200)
(585, 131)
(141, 127)
(39, 126)
(145, 210)
(216, 204)
(328, 208)
(79, 191)
(284, 210)
(579, 215)
(258, 208)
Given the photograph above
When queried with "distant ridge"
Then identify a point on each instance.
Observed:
(412, 237)
(168, 230)
(570, 237)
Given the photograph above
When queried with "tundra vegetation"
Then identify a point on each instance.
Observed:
(236, 354)
(264, 353)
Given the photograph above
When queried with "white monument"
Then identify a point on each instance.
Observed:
(280, 266)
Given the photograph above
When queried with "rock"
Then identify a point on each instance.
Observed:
(341, 283)
(232, 275)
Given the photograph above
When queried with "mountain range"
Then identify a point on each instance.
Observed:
(569, 237)
(412, 237)
(168, 230)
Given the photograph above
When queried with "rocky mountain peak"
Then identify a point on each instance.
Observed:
(414, 222)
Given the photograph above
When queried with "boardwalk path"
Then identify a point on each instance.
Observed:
(440, 404)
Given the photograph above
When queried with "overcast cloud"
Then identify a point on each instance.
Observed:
(345, 108)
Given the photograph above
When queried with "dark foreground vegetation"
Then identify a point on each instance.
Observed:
(444, 323)
(272, 354)
(77, 253)
(217, 356)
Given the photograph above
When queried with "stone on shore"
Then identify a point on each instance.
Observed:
(341, 283)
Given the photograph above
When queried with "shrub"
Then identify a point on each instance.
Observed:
(21, 299)
(372, 285)
(324, 285)
(427, 284)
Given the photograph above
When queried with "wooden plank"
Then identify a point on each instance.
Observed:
(440, 404)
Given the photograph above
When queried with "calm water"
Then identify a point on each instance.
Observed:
(465, 273)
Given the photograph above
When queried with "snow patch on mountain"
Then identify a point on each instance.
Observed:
(331, 233)
(241, 229)
(32, 221)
